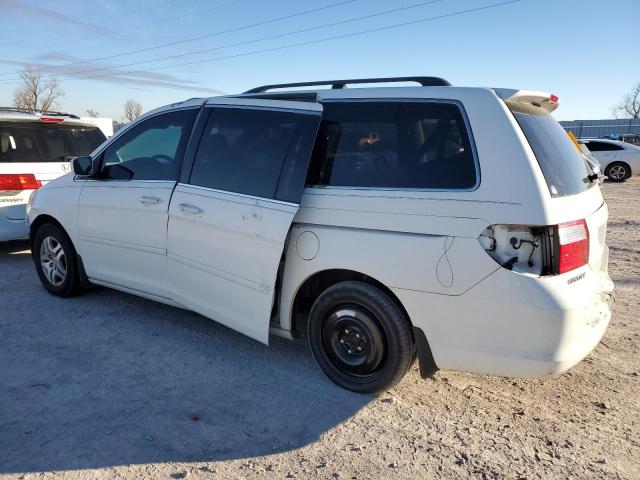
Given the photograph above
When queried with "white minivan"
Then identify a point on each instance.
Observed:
(458, 226)
(35, 147)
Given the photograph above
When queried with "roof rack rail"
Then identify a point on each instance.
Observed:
(339, 84)
(42, 112)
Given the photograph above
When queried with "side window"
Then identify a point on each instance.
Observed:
(393, 145)
(246, 151)
(151, 150)
(602, 147)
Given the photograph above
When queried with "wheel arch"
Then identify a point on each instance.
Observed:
(316, 283)
(41, 220)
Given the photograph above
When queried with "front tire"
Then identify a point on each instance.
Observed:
(618, 172)
(56, 261)
(360, 337)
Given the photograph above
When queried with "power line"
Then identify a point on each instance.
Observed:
(270, 37)
(311, 42)
(193, 39)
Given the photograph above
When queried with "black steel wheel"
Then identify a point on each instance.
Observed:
(360, 337)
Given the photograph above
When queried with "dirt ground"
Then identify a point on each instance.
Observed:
(110, 386)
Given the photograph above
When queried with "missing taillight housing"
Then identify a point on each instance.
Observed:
(572, 246)
(19, 181)
(538, 250)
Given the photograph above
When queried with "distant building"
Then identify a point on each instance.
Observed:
(602, 128)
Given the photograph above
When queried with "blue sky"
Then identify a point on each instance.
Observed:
(578, 49)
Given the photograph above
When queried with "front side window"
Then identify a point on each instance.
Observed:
(401, 145)
(248, 151)
(151, 150)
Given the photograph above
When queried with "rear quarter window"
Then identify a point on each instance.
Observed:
(564, 168)
(399, 145)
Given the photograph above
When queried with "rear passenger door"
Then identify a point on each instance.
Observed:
(232, 210)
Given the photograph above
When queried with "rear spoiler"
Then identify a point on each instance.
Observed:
(540, 99)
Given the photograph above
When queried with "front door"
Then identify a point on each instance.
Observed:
(230, 218)
(122, 214)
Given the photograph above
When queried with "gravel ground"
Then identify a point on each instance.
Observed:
(110, 386)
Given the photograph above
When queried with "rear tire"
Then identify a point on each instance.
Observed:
(618, 171)
(56, 261)
(360, 337)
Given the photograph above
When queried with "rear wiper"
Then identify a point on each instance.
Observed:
(593, 177)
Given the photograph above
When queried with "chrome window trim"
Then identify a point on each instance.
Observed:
(128, 182)
(241, 195)
(467, 125)
(263, 107)
(100, 150)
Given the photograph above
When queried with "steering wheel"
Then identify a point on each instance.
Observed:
(161, 158)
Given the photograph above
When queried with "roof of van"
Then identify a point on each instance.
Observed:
(316, 91)
(23, 115)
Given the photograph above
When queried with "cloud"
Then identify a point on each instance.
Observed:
(17, 7)
(110, 74)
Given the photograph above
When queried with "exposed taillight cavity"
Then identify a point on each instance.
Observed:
(19, 181)
(573, 246)
(538, 250)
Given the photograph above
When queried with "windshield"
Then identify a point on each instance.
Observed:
(562, 165)
(38, 142)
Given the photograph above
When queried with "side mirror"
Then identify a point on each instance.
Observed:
(82, 166)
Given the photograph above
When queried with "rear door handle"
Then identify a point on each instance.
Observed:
(190, 209)
(150, 200)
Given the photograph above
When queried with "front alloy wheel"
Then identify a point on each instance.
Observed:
(53, 261)
(56, 261)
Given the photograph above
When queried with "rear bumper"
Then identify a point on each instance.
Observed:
(515, 325)
(12, 228)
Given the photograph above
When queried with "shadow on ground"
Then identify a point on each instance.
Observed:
(109, 379)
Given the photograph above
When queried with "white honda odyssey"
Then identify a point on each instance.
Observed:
(458, 226)
(35, 147)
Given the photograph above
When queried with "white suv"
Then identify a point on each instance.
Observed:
(35, 147)
(456, 225)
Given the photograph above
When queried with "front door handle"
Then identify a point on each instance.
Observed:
(190, 209)
(150, 200)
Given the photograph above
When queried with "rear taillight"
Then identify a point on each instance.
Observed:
(19, 181)
(573, 246)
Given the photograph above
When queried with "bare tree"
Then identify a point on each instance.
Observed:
(92, 113)
(630, 105)
(37, 93)
(132, 110)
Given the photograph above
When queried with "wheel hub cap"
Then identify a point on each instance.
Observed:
(53, 261)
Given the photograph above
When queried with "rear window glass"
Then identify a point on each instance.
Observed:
(36, 142)
(393, 145)
(564, 168)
